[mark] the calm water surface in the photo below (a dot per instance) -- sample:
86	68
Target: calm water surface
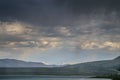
46	78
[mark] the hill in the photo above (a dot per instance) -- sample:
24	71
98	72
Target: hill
96	68
9	63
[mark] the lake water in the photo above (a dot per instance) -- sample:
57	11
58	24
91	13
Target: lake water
47	78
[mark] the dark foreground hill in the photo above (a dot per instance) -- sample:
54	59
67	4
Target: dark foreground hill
106	67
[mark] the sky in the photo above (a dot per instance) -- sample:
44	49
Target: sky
59	31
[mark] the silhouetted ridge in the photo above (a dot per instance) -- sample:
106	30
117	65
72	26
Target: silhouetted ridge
96	68
20	63
117	58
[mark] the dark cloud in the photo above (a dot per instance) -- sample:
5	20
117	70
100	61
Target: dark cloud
88	21
57	27
10	38
54	12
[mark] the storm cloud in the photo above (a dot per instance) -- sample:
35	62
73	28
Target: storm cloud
72	25
56	12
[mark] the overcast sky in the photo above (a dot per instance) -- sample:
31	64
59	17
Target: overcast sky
59	31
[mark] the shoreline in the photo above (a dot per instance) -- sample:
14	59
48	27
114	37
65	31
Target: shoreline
49	76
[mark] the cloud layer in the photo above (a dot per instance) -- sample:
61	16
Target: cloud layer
84	36
35	26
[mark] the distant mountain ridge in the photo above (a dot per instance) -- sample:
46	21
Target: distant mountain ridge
104	63
118	58
20	63
96	68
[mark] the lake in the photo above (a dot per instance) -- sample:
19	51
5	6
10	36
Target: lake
48	78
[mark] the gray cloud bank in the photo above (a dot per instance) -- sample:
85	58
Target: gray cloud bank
76	24
57	12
